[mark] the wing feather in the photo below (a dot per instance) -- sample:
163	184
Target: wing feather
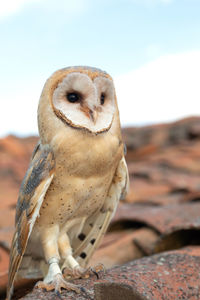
33	189
96	225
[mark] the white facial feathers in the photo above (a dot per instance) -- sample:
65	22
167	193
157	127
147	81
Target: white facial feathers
104	86
93	106
75	82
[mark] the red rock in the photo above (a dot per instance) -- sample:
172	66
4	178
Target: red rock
170	275
125	247
141	190
4	263
164	167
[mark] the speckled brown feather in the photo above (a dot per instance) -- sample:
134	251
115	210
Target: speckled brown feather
41	168
96	225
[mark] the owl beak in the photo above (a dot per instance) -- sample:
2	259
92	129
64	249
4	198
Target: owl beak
93	116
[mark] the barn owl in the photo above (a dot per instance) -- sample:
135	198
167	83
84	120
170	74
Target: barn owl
76	177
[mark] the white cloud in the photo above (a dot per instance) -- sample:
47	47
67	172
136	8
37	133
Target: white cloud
166	89
163	90
18	112
10	7
69	7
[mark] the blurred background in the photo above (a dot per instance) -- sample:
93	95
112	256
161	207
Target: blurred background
150	47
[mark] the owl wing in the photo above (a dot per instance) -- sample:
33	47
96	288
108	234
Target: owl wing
33	189
96	225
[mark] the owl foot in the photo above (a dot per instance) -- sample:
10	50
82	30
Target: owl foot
79	272
58	283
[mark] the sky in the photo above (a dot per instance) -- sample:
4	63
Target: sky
151	48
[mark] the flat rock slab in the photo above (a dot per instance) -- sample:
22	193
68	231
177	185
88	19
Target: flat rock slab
171	275
164	219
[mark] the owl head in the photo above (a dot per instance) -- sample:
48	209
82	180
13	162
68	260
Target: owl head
80	97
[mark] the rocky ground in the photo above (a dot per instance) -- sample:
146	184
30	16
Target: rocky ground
152	248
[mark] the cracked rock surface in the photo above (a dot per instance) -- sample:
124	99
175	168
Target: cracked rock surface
152	247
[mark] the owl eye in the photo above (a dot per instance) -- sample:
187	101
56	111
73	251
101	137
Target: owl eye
73	97
102	98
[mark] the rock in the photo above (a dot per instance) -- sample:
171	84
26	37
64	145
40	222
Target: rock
160	213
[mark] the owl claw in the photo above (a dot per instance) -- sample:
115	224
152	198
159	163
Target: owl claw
95	273
98	268
58	294
79	272
57	284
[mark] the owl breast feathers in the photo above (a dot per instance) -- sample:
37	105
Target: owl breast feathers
76	177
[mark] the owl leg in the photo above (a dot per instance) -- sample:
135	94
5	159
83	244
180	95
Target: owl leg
54	279
70	266
66	253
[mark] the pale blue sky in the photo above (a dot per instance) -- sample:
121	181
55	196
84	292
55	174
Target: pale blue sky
119	36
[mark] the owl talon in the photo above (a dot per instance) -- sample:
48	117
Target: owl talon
57	284
98	268
95	273
58	294
79	272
